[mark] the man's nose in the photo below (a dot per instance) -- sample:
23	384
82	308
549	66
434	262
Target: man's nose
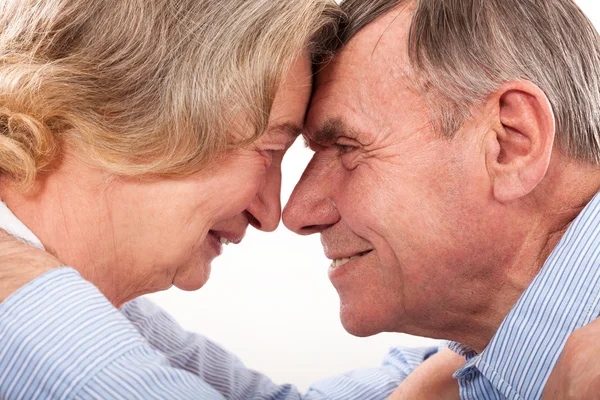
310	208
264	212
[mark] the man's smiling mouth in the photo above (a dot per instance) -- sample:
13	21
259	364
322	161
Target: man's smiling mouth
338	262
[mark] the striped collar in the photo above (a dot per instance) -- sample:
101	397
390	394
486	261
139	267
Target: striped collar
11	224
563	297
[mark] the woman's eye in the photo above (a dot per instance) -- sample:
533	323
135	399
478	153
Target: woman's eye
268	155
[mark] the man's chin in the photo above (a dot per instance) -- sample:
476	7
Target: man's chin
359	323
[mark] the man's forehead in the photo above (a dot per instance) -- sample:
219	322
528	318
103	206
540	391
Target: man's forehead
376	52
370	71
386	36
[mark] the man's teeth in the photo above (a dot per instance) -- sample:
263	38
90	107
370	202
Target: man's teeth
341	261
224	241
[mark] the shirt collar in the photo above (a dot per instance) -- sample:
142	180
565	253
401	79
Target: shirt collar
563	297
11	224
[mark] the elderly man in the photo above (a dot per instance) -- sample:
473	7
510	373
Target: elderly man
453	183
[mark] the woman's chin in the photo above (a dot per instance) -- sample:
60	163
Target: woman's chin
192	277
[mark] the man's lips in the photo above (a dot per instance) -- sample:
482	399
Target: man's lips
339	259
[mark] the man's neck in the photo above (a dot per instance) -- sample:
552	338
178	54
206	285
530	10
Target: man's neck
559	200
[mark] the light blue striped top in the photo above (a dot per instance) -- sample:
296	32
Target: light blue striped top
60	338
563	297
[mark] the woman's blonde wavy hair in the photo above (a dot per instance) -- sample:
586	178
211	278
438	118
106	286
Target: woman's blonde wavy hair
144	86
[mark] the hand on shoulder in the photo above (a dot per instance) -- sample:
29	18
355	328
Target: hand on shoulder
577	372
21	263
432	379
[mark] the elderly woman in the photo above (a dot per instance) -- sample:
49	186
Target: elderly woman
138	137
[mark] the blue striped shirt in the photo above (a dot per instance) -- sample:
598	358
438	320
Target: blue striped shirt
563	297
60	338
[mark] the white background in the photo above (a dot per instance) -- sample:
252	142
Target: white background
269	300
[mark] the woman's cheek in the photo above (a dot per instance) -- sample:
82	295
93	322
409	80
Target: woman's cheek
246	192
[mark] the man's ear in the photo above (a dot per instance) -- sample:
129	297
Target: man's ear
519	145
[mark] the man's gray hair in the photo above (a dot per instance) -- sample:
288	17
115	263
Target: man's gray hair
463	50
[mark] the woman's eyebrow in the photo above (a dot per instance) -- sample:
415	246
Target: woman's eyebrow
288	128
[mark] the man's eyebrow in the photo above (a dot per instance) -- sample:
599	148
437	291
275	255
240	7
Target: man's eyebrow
329	131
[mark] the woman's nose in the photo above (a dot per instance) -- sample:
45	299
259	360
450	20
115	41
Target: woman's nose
264	212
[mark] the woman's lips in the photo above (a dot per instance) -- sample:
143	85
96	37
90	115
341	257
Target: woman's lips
228	237
219	238
213	239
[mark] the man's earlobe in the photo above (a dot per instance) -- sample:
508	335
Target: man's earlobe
519	147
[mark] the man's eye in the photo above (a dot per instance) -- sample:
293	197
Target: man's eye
306	142
344	148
